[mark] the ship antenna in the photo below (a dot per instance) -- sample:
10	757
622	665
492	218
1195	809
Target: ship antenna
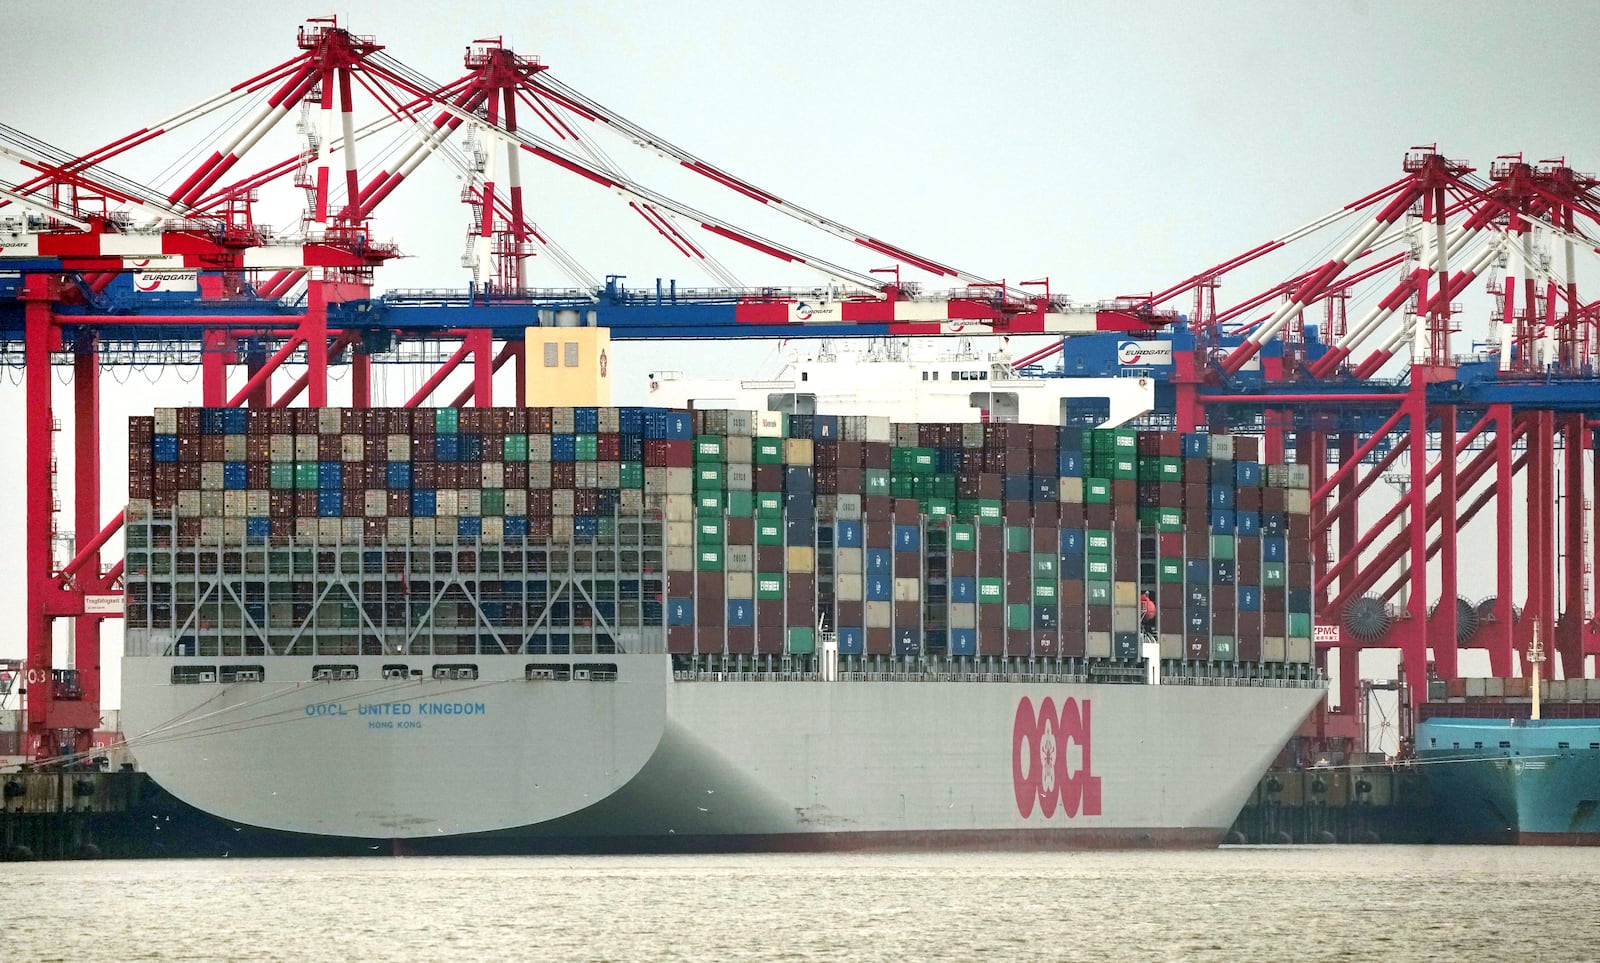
1535	660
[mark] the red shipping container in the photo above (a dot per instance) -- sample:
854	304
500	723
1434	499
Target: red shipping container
907	565
877	507
305	504
563	474
880	641
741	639
680	639
907	511
539	529
770	628
847	454
1246	448
849	614
1248	499
963	564
876	454
769	558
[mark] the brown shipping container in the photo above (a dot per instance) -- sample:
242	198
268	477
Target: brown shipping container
880	641
741	639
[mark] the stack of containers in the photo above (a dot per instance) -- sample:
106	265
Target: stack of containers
970	540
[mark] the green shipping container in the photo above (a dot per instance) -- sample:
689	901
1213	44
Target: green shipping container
1299	624
1171	470
1018	538
492	502
1222	649
939	508
1171	572
708	500
1044	592
900	486
1124	467
741	504
1169	519
281	475
708	530
1097	541
1097	568
1097	592
305	475
990	511
875	481
769	451
964	537
446	421
1097	491
707	476
1019	615
768	532
709	559
631	474
991	590
1046	567
1272	574
1222	546
802	640
769	585
708	448
585	447
515	448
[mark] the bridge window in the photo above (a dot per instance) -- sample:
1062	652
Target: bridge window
571	351
551	354
792	403
193	674
243	673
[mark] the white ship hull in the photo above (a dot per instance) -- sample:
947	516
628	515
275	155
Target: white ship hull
712	762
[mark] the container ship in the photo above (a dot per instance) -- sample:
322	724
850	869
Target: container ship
1510	766
743	625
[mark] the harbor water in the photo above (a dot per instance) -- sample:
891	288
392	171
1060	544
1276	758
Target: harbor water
1392	903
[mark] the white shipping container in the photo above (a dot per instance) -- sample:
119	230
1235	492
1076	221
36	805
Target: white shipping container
211	476
630	502
849	507
446	502
879	615
469	503
678	508
561	421
233	530
741	585
538	476
280	448
1097	645
802	559
329	529
741	423
847	560
738	449
561	529
188	504
305	447
1299	652
610	420
908	590
848	586
539	449
329	420
798	451
399	529
561	505
235	504
211	504
739	478
376	503
516	501
1297	501
352	447
166	421
492	474
398	447
680	558
234	448
1274	648
741	558
494	530
352	529
769	424
1070	491
1171	646
1222	447
305	529
963	615
879	428
258	503
680	481
139	509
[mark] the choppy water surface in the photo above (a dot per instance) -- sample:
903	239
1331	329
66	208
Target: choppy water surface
1334	903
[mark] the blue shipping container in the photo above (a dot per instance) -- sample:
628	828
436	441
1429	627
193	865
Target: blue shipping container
851	640
166	448
963	641
907	538
1249	598
1247	473
680	611
1196	446
1016	487
330	504
907	641
825	427
1044	488
235	421
1222	498
330	475
963	589
741	612
516	526
878	561
1274	548
849	534
258	529
586	420
424	502
1249	523
879	588
233	476
446	448
1071	541
1222	523
398	475
1069	464
469	527
563	448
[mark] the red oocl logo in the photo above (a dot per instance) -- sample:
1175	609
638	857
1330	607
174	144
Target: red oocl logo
1043	771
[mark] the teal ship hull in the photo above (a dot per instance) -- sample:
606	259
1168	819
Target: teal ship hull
1515	781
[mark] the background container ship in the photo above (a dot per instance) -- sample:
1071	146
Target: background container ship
638	628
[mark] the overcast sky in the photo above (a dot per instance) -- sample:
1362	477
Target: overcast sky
1114	147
